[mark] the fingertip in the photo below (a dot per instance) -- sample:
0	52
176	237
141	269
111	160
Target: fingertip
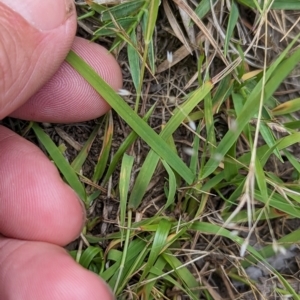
35	203
29	56
36	270
67	97
101	60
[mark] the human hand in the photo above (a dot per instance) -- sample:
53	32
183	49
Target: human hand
38	211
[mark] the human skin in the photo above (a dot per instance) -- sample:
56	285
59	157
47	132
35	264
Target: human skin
39	213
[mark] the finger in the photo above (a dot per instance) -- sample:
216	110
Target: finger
35	203
67	97
35	37
36	270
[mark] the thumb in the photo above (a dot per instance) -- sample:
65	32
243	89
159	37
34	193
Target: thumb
35	37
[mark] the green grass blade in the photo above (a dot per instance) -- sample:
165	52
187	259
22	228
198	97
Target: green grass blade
134	61
130	117
123	147
135	247
261	180
268	136
124	182
294	162
277	4
123	10
148	25
59	160
233	18
132	267
89	254
110	28
203	8
78	162
196	146
287	107
172	185
282	68
151	20
151	161
158	269
105	150
150	47
157	272
183	274
279	203
209	123
159	242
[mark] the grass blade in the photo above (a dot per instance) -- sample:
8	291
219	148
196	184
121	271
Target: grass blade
106	145
156	142
125	174
160	239
172	185
252	104
123	147
83	154
152	158
233	18
61	163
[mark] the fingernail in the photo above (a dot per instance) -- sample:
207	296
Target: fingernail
42	14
